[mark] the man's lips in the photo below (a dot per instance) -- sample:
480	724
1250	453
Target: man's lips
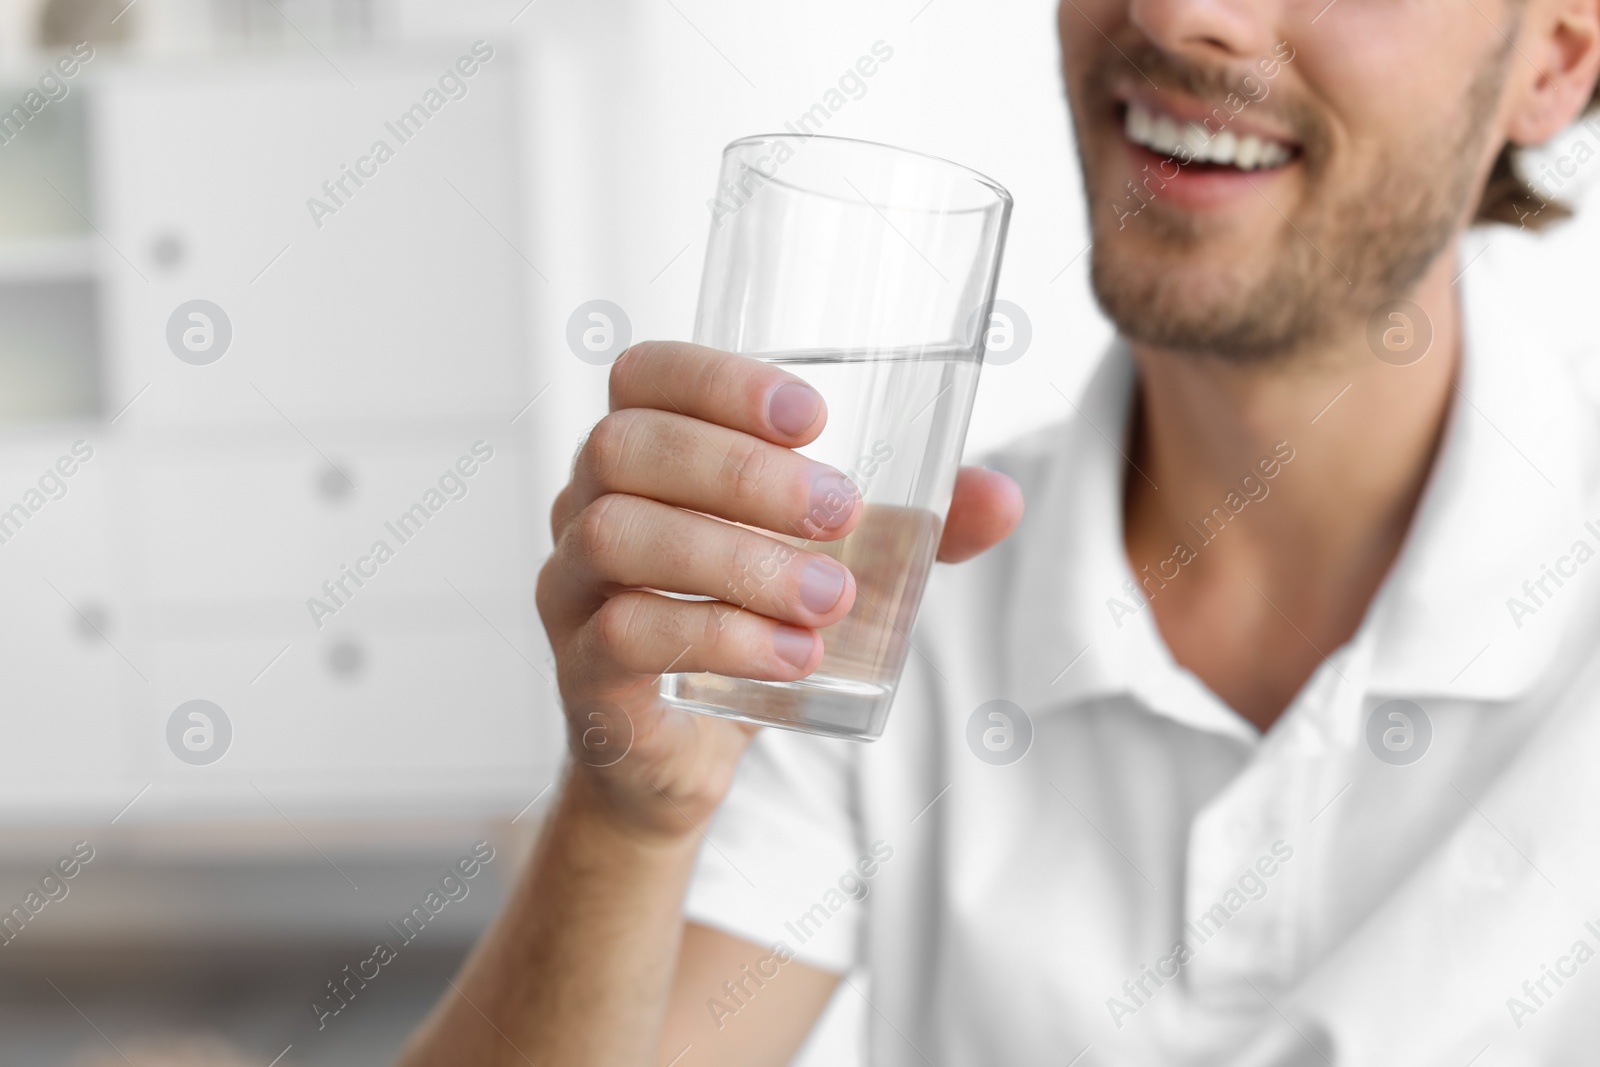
1192	132
1177	160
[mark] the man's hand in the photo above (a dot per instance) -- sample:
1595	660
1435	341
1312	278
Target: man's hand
694	437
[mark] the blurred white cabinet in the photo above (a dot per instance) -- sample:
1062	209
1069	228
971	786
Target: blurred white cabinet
68	697
370	351
404	305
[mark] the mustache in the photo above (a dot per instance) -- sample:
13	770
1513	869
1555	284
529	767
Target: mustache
1214	84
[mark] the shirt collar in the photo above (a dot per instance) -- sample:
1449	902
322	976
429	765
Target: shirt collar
1512	491
1510	486
1080	618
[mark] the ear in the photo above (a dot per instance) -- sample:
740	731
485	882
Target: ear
1559	53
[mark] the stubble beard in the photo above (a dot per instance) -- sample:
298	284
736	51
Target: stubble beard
1314	279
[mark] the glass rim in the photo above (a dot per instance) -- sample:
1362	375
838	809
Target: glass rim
976	176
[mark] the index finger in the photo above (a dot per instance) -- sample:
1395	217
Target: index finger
739	392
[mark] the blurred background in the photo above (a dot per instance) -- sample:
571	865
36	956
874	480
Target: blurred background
241	345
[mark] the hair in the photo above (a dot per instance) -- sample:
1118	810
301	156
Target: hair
1509	197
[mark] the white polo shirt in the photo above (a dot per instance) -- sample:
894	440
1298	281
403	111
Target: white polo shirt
1147	879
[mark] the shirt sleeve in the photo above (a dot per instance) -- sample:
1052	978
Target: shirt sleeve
779	862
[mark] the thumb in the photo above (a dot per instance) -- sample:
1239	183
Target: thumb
985	508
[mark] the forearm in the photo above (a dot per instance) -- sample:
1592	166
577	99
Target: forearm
579	966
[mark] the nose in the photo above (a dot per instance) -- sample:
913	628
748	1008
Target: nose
1214	30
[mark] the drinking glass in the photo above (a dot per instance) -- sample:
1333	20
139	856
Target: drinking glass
869	272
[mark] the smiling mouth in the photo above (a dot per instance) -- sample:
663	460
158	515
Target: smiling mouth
1192	144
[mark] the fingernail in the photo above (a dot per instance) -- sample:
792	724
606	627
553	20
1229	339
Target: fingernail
821	585
833	498
793	408
794	645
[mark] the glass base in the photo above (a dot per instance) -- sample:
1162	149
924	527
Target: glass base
817	704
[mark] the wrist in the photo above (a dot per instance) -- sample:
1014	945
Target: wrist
608	814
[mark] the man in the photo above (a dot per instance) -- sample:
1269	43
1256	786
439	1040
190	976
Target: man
1266	739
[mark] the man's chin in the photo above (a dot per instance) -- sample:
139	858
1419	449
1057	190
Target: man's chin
1195	300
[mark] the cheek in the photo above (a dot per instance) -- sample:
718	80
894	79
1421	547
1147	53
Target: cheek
1388	74
1079	25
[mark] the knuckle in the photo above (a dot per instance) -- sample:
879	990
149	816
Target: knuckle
602	529
754	564
713	630
606	452
558	513
628	368
555	587
747	471
724	382
544	595
615	623
718	630
562	511
740	584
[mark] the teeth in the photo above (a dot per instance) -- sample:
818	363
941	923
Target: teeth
1163	136
1196	138
1140	125
1274	154
1225	147
1249	154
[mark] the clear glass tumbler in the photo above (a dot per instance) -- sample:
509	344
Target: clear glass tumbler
868	271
